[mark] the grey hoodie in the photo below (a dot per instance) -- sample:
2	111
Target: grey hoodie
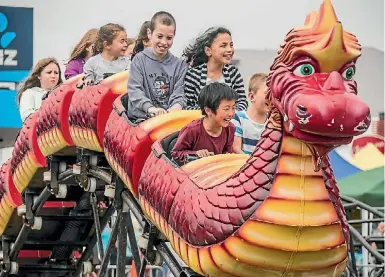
155	83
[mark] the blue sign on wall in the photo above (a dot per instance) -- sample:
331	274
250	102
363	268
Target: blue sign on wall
16	58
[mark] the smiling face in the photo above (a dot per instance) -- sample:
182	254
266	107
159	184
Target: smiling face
118	46
161	39
224	113
221	50
49	77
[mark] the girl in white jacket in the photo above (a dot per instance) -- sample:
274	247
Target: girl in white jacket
45	76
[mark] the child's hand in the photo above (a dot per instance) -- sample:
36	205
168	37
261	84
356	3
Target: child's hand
176	107
156	111
80	84
204	153
83	83
89	82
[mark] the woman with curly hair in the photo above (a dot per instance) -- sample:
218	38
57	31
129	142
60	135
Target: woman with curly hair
44	77
110	49
210	61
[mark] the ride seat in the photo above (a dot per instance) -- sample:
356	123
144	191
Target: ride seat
124	100
168	144
120	106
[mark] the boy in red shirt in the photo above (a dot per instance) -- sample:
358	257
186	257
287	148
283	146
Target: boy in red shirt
214	133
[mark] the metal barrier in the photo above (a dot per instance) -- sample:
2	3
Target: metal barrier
369	215
154	271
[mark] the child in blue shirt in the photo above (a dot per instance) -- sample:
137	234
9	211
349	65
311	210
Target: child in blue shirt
251	123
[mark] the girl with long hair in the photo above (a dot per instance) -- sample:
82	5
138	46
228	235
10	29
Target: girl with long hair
45	76
81	53
210	58
142	40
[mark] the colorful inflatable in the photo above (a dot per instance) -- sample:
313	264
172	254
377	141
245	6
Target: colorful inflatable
275	213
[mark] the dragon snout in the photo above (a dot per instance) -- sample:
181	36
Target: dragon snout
338	115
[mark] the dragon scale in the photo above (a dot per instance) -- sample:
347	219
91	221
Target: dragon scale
281	234
275	213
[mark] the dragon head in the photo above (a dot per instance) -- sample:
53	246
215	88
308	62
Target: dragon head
312	83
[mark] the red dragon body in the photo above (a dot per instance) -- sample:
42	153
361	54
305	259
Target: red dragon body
275	213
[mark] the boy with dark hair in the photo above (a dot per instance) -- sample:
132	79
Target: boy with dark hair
214	133
156	83
164	18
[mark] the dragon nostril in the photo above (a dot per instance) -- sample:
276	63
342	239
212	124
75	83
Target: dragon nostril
302	108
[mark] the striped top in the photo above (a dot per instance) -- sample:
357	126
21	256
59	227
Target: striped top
196	79
249	130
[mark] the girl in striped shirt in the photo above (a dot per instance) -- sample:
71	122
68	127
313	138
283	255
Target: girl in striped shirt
210	61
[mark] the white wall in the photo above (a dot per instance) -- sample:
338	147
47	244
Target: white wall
5	154
255	24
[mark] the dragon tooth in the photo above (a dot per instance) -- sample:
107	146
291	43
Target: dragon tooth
291	126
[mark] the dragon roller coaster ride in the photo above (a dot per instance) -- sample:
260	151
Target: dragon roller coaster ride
277	212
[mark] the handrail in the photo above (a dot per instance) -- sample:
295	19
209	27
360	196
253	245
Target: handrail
363	206
365	244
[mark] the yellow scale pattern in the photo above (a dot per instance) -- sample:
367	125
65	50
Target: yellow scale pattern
120	171
6	209
51	142
295	232
85	138
25	171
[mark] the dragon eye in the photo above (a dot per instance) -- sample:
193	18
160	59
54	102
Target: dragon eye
348	73
304	70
